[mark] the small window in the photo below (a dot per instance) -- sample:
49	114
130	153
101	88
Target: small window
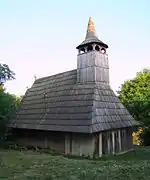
103	50
89	48
97	48
82	51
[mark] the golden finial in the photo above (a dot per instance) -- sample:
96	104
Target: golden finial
91	27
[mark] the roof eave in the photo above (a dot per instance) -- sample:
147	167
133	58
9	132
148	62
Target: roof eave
100	43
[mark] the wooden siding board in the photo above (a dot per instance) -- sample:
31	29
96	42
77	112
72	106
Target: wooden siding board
62	122
52	85
57	104
69	92
81	116
82	97
79	129
53	81
59	75
58	110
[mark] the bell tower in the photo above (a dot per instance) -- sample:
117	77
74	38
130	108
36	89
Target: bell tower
92	59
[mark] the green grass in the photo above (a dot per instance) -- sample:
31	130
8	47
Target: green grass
28	165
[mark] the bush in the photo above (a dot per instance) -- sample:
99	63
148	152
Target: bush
137	136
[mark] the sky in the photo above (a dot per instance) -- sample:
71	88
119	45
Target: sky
39	37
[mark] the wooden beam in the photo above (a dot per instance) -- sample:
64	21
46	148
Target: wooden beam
67	144
119	139
45	142
108	142
100	145
113	142
131	138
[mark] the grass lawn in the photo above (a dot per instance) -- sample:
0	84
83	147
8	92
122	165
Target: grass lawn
28	165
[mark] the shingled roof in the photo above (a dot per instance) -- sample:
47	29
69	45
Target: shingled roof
58	103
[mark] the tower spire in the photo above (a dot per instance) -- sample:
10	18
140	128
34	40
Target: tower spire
91	36
91	31
91	26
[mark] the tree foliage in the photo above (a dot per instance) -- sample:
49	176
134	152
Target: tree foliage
5	74
135	95
8	102
19	99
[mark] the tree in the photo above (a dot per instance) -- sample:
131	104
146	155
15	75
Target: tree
135	95
5	74
7	101
18	100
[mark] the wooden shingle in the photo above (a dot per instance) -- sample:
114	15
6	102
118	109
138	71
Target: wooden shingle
58	103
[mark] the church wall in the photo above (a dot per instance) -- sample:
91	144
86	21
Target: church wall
69	143
78	144
41	139
126	139
122	141
83	144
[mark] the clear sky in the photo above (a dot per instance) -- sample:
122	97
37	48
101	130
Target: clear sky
38	37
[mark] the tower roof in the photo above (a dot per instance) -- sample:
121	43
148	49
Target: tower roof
91	36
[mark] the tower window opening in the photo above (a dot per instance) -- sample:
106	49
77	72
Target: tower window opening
89	48
103	51
97	48
82	51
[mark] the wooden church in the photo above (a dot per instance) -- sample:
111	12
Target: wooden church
76	112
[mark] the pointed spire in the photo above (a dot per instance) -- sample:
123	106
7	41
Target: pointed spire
91	32
91	26
91	36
